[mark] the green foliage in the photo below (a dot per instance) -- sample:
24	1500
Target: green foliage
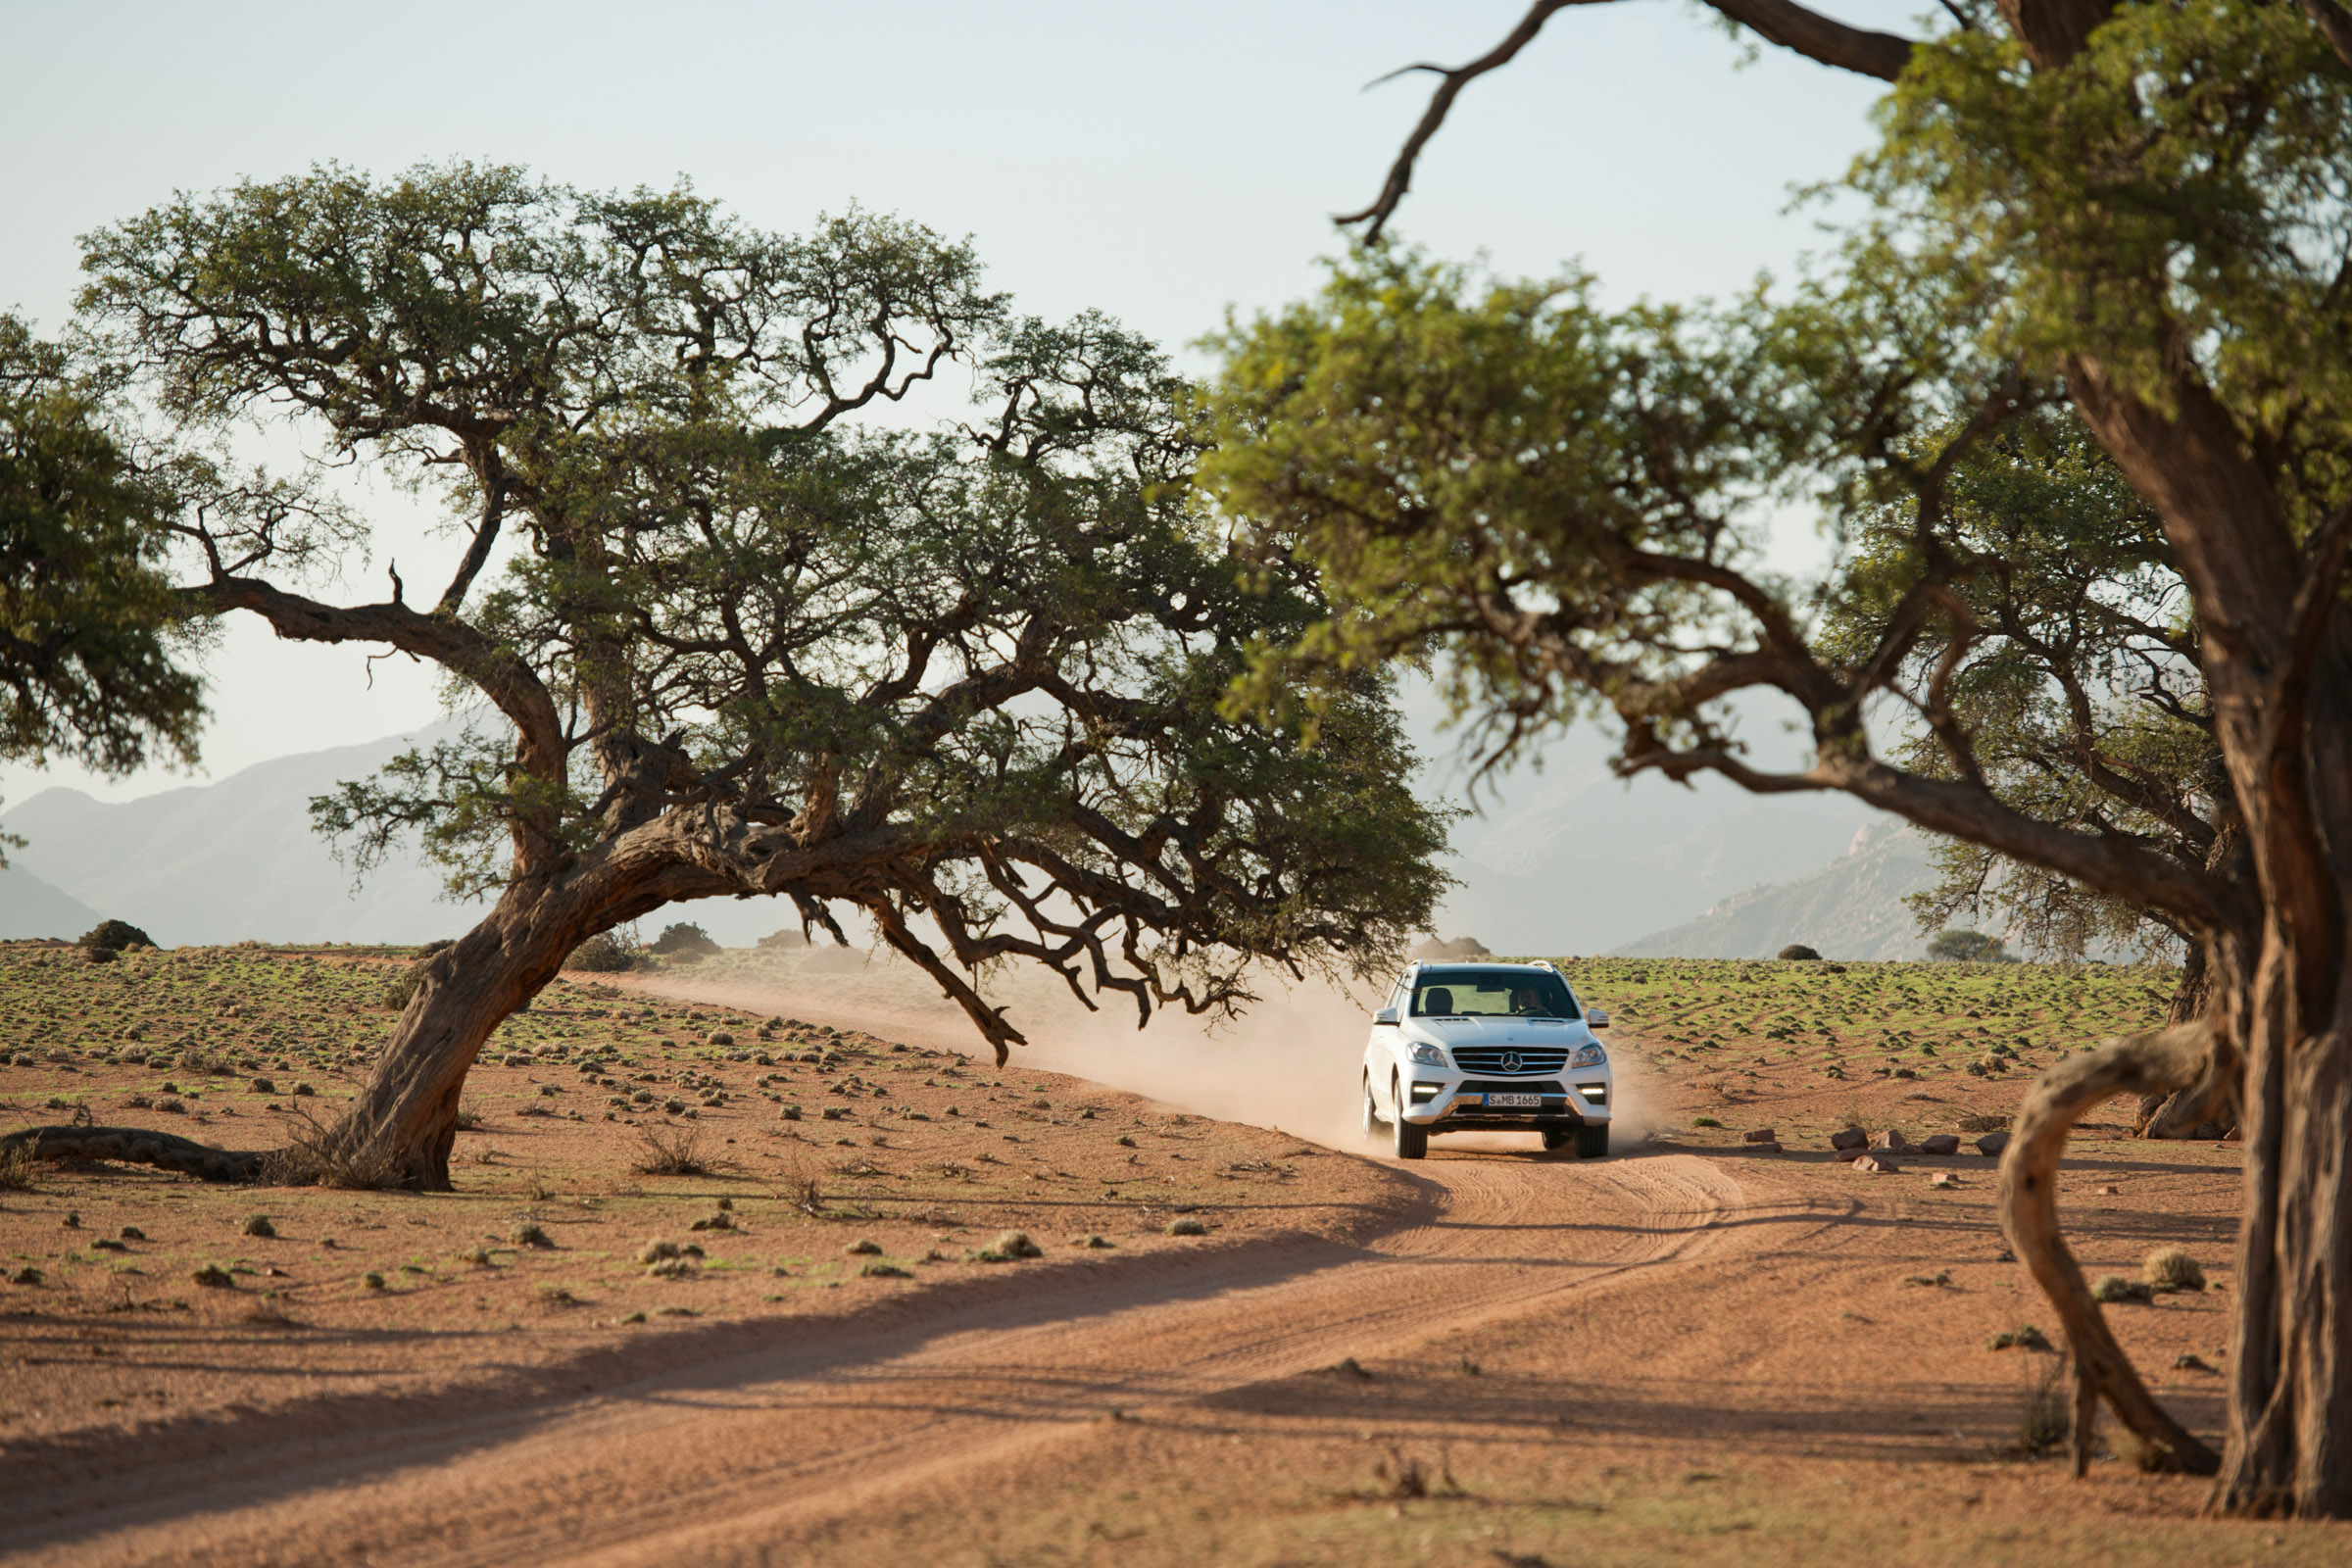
601	953
1557	505
89	631
1968	947
683	937
753	640
113	936
2176	189
1714	1018
2073	675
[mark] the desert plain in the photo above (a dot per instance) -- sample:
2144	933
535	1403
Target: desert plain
762	1260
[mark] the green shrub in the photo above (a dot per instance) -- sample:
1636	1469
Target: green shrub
2121	1288
601	955
2172	1268
685	937
113	936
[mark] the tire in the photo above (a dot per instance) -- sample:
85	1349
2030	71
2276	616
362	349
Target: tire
1592	1140
1371	1110
1557	1137
1411	1142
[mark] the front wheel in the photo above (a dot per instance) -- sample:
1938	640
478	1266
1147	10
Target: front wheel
1412	1140
1592	1140
1557	1137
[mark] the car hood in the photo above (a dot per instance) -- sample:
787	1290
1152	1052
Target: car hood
1501	1032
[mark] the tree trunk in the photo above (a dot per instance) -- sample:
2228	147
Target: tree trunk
399	1130
2290	1394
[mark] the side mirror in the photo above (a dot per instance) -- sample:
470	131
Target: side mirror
1385	1017
1596	1017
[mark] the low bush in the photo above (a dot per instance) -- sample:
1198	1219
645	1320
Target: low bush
113	936
682	937
2172	1268
2121	1288
602	955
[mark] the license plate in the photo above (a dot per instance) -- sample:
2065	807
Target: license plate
1514	1101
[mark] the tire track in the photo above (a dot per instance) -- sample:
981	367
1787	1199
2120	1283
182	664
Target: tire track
723	1463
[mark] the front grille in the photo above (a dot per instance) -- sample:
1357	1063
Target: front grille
1489	1058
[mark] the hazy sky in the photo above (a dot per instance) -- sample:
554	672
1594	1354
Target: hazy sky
1159	162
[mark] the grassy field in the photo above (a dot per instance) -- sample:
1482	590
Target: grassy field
1825	1022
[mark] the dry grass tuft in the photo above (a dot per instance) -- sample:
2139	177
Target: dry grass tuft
323	1156
1399	1477
2172	1268
2044	1419
672	1152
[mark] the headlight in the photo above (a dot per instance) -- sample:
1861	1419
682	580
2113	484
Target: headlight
1428	1056
1590	1056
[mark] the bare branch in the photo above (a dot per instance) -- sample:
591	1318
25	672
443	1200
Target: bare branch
2169	1060
502	676
1400	173
1819	39
2112	864
485	535
1808	32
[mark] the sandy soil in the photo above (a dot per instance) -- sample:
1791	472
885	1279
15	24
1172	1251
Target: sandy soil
1679	1355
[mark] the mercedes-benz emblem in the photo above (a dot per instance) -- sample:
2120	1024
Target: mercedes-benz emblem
1510	1061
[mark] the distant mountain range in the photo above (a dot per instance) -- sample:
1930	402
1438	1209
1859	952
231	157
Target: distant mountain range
31	907
1573	860
234	859
222	861
1851	909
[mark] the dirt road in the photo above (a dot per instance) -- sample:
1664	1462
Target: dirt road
732	1458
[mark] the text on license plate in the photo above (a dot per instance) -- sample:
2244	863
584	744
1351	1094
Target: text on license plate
1514	1101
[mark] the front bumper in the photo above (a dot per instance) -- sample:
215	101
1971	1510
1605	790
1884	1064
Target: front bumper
1582	1098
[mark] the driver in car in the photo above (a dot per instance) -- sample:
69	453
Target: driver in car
1527	1002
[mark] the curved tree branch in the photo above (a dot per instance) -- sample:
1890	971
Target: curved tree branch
1400	173
2160	1062
1880	55
502	676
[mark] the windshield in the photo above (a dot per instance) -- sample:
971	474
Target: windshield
1496	993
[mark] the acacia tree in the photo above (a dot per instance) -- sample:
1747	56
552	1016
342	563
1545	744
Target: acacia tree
2137	211
751	642
2078	685
90	638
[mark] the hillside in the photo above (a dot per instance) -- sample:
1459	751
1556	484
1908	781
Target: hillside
222	861
31	907
1575	859
1851	909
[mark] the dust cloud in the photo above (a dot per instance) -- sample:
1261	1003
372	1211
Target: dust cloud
1293	1061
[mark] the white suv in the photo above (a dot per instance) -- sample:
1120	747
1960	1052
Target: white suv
1486	1047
